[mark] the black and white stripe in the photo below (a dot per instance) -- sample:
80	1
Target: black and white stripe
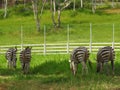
11	57
79	55
25	58
105	55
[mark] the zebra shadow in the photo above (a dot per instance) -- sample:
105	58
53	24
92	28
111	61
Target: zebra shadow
51	67
62	67
9	72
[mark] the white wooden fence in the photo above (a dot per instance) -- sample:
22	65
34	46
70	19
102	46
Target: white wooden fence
59	48
62	48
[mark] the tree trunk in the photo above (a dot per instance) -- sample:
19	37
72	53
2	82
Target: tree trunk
5	8
59	14
74	5
112	3
36	17
81	2
33	5
52	14
54	5
43	4
93	6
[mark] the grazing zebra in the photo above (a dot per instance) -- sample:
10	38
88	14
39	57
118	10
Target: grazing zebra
105	55
11	57
79	55
25	58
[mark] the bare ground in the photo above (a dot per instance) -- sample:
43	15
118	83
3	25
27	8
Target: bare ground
113	11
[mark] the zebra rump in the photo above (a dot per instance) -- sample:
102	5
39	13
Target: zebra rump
11	57
105	55
79	55
25	58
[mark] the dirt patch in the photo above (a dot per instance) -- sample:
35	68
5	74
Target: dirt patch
113	11
3	87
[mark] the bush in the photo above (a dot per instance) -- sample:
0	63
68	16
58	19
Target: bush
21	10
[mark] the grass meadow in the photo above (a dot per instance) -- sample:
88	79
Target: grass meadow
79	22
52	72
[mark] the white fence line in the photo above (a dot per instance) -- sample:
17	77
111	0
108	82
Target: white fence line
59	48
63	48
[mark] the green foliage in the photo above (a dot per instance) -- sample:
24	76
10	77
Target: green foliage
1	14
21	10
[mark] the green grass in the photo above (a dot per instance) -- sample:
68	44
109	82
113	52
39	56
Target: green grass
53	72
79	22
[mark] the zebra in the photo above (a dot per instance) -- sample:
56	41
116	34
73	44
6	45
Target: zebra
11	57
25	58
105	55
79	55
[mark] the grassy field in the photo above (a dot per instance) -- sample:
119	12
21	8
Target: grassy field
52	72
79	22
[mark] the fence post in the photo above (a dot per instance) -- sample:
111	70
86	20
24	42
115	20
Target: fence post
44	40
68	28
113	36
90	38
21	37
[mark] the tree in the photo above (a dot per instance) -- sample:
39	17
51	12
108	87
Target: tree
93	6
35	10
60	6
5	8
81	3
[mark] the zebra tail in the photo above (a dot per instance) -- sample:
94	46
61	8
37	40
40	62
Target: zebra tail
90	64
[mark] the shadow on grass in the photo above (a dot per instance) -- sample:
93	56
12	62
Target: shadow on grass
59	72
9	72
51	67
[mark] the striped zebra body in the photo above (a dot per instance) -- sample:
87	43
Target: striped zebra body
25	58
11	57
79	55
105	55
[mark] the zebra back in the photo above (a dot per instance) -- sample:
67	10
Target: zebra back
80	54
105	54
11	54
25	55
11	57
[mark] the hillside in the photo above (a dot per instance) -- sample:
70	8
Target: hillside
79	22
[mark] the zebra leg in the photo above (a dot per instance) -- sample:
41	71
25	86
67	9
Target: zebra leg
8	63
112	64
101	67
107	68
27	67
22	64
23	67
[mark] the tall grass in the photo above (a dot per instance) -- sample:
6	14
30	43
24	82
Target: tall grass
53	72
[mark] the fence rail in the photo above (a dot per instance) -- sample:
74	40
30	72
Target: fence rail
59	48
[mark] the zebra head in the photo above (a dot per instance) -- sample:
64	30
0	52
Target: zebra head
73	65
28	48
